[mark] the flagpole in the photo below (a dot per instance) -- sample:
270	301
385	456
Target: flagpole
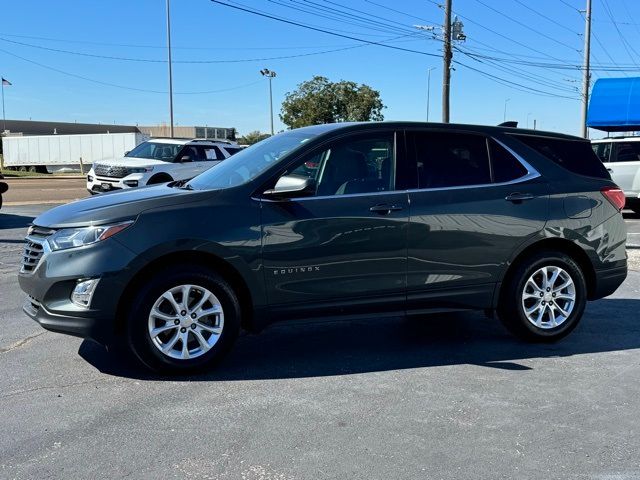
4	119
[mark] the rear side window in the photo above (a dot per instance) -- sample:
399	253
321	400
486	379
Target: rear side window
627	152
574	155
602	151
450	159
232	150
506	167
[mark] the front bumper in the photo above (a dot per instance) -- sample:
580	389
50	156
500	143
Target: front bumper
99	184
98	329
50	284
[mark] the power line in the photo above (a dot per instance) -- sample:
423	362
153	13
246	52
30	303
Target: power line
148	60
627	46
402	13
327	13
540	14
510	39
527	26
514	85
291	22
123	87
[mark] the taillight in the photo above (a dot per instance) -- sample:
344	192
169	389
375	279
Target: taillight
615	196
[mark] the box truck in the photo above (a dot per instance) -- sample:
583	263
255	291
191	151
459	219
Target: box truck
52	153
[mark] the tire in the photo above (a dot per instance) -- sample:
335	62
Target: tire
140	321
22	169
32	169
160	178
519	294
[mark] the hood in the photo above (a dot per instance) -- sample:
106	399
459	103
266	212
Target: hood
117	206
131	162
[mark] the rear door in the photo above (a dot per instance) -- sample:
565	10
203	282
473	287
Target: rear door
475	201
343	245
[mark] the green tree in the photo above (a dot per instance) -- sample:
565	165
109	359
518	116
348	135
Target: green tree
252	137
321	101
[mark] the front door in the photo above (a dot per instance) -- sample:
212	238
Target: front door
347	238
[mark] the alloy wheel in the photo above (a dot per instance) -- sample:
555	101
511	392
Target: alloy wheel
549	297
185	322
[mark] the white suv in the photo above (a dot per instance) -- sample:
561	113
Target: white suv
158	160
621	156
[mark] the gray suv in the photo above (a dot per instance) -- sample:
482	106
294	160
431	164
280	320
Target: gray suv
335	220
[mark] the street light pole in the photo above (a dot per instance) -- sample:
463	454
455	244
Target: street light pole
528	115
170	72
505	109
429	90
270	74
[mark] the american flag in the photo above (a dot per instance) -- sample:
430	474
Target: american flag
5	81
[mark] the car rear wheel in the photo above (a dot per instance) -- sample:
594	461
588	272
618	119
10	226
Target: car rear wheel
184	320
545	297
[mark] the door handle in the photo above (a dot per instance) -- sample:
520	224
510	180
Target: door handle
385	209
610	170
519	197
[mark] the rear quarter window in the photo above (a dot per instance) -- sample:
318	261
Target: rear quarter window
576	156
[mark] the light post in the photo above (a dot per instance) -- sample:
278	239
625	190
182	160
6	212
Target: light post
170	72
429	89
528	115
4	82
505	109
270	74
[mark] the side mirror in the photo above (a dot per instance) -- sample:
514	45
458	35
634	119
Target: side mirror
126	153
185	159
290	186
3	187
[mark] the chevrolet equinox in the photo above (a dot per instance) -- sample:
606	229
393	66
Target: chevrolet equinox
329	220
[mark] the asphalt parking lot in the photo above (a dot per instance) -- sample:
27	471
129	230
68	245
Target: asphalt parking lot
436	397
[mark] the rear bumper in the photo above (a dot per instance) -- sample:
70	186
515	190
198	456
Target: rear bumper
608	281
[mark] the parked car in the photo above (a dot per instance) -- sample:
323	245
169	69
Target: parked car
3	188
159	160
621	157
397	217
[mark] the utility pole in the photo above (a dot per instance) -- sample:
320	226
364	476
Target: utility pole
170	72
586	72
446	57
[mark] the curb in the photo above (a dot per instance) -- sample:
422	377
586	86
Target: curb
49	177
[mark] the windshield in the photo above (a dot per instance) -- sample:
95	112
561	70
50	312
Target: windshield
247	164
156	151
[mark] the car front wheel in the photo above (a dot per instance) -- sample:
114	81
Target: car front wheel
545	297
184	320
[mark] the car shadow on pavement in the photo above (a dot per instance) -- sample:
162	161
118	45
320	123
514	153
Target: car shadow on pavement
316	349
14	221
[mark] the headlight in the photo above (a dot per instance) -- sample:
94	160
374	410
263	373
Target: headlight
78	237
139	169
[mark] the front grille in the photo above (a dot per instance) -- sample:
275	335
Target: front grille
31	306
112	171
34	248
33	252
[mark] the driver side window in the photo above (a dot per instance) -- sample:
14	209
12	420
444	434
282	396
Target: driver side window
362	164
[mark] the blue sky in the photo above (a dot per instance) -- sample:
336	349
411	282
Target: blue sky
549	31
